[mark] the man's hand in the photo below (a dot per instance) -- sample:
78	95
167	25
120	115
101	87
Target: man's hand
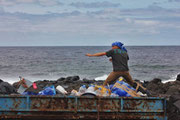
88	54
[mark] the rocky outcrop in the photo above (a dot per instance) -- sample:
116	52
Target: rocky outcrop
6	88
178	77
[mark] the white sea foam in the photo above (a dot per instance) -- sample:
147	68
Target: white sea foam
173	78
101	77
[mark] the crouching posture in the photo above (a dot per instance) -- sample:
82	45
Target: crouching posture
119	58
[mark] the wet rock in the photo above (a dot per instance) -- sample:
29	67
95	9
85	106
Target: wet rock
61	79
173	107
155	88
178	77
174	98
72	78
156	80
177	104
88	81
173	90
1	80
6	88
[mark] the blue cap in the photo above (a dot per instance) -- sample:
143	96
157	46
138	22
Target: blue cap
120	45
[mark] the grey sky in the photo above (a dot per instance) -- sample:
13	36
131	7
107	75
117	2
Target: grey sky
95	22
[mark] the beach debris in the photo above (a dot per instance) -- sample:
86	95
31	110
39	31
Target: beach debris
23	84
82	89
60	89
102	91
48	91
124	89
34	85
74	93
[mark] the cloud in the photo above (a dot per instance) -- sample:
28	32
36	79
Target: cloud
108	22
40	2
49	2
173	0
104	4
1	10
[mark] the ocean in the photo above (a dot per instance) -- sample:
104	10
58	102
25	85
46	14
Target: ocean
51	63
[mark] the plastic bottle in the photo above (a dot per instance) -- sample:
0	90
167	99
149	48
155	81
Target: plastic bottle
82	89
90	88
61	89
99	92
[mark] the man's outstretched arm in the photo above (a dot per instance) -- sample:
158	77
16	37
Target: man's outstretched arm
96	54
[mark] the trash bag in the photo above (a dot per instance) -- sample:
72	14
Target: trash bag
123	89
29	93
119	91
48	91
102	91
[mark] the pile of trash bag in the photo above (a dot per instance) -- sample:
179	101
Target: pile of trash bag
119	89
25	84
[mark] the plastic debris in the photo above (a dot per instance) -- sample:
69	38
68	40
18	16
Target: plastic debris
98	92
48	91
34	85
29	93
90	88
61	89
90	91
119	89
82	89
103	91
114	95
24	84
74	93
123	89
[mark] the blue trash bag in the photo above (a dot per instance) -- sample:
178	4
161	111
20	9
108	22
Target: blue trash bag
120	91
48	91
29	93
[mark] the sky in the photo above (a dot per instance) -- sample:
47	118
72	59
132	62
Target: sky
89	22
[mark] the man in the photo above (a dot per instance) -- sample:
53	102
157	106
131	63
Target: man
119	58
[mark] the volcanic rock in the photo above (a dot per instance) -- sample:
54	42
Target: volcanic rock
6	88
178	77
156	80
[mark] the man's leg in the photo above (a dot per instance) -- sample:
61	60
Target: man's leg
128	78
136	85
112	77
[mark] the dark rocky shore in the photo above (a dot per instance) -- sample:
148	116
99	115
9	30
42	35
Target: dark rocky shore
169	90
